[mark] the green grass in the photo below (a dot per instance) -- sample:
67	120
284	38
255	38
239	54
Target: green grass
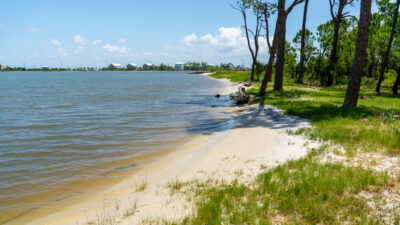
344	126
301	192
306	191
233	76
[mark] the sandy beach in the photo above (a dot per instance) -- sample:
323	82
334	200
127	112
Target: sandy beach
259	140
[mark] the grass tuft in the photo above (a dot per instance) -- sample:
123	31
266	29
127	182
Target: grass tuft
141	184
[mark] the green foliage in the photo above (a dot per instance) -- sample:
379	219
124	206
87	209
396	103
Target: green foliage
260	69
309	48
290	60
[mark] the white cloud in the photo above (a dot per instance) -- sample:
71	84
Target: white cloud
96	42
33	29
190	39
122	40
55	42
209	38
79	39
116	49
229	44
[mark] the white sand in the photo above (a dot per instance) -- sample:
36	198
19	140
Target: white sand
258	139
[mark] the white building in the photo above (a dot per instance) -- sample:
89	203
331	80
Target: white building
179	66
115	66
147	66
131	66
2	67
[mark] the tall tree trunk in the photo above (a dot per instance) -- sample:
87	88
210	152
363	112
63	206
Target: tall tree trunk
280	45
395	88
303	44
371	67
333	56
386	58
253	66
268	71
353	89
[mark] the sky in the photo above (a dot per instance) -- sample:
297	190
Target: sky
95	33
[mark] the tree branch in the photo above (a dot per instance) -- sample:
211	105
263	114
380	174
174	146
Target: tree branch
296	2
332	4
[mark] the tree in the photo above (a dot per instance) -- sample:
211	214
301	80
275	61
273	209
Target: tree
260	67
242	6
304	40
281	40
386	57
394	63
395	88
353	89
303	43
337	20
290	60
268	10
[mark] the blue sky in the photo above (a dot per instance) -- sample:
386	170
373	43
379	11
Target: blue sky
95	33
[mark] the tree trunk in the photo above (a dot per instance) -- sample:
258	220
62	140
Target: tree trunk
303	43
353	89
395	88
333	57
268	71
280	45
386	58
371	67
253	66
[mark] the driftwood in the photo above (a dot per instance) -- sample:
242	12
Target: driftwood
247	83
241	97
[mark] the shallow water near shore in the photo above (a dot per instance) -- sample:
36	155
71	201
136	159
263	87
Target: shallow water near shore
63	134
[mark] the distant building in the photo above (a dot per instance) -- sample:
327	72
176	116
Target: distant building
2	67
147	66
179	66
45	67
131	66
115	66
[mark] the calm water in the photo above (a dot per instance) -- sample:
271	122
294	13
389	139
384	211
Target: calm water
58	130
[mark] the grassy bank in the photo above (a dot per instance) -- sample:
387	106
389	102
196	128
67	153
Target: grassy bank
298	192
371	126
308	191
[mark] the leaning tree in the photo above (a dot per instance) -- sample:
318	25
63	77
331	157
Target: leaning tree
268	10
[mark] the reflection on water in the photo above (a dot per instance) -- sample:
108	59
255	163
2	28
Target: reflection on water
58	130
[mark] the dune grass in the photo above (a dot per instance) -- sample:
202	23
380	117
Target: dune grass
298	192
